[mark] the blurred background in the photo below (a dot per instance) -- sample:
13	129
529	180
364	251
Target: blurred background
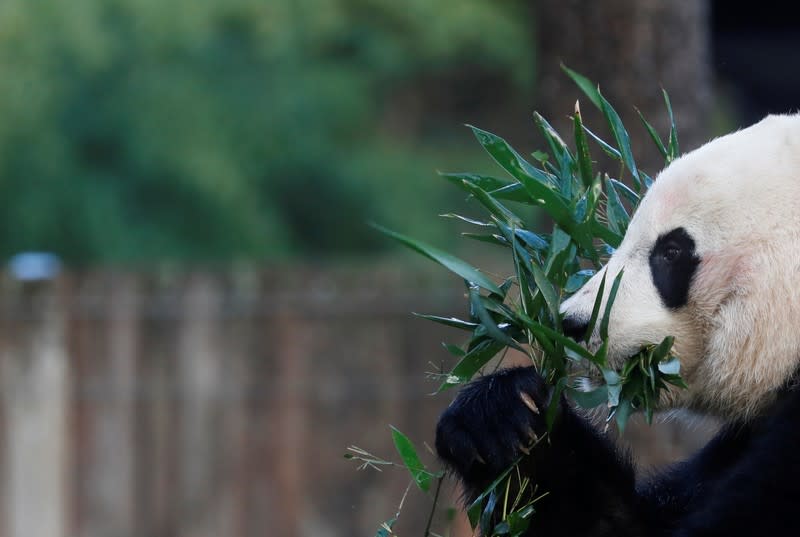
196	320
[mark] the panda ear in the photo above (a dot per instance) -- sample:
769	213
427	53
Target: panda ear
718	275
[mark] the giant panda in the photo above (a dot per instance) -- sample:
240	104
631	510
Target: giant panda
712	257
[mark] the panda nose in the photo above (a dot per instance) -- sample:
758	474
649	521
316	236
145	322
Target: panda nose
574	327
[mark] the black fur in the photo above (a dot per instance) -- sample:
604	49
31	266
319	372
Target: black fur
744	482
575	327
673	262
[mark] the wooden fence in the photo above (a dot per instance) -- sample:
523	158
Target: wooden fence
216	404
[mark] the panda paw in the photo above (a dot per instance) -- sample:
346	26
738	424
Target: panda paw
492	422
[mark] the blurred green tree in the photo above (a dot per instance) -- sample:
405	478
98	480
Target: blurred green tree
133	130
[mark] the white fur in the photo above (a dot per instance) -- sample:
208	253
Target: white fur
738	338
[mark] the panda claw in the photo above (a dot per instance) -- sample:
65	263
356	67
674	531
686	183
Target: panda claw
529	402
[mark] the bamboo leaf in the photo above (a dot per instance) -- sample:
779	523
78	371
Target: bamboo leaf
562	252
536	182
616	214
673	149
607	235
561	153
485	182
521	261
474	509
492	329
455	350
498	188
385	530
471	363
486	516
607	148
487	238
598	300
622	139
654	136
547	290
671	366
467	220
508	158
612	295
582	149
578	280
592	399
410	458
448	261
622	413
662	351
448	321
632	197
513	192
587	87
551	335
613	387
497	209
533	240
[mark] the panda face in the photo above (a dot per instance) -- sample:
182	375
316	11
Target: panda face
712	257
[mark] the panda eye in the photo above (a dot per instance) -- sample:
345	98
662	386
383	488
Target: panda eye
673	262
671	254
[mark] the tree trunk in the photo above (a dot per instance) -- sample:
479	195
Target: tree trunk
631	48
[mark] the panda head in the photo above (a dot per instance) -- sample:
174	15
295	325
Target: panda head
712	257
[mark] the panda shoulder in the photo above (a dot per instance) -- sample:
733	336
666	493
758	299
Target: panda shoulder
787	123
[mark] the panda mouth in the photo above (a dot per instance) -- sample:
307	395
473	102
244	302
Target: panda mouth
614	359
591	377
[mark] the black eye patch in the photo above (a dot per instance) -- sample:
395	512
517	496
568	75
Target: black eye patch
673	262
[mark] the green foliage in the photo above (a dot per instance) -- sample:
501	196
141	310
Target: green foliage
408	453
214	129
589	220
420	475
